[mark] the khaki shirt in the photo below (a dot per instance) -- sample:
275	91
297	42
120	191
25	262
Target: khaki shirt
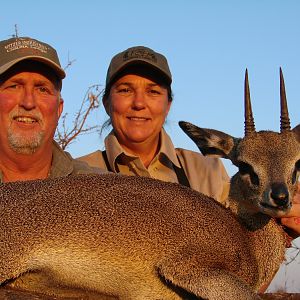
63	164
205	174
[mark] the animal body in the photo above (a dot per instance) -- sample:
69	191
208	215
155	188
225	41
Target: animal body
140	238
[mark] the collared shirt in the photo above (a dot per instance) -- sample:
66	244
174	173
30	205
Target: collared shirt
63	164
205	174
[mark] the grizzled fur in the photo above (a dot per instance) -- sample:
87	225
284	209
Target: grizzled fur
113	234
140	238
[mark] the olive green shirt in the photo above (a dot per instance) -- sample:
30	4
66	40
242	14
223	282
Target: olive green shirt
205	174
63	164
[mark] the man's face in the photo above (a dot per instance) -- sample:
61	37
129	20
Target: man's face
30	107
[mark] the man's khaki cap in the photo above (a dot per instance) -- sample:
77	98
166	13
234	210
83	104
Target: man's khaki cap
18	49
138	55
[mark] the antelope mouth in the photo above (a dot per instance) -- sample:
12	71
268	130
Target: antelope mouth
275	210
285	206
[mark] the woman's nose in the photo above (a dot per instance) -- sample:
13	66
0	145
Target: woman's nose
139	100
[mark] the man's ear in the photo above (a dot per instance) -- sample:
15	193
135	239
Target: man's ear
60	107
209	141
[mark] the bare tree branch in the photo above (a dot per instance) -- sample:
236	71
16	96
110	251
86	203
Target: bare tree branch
65	136
16	31
70	62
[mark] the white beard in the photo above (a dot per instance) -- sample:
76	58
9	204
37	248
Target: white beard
25	144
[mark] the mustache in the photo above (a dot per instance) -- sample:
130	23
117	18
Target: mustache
20	112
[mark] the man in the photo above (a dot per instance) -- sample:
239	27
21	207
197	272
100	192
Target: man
30	107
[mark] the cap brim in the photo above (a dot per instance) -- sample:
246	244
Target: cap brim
134	62
56	68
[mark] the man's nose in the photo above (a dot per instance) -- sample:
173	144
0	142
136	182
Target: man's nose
28	99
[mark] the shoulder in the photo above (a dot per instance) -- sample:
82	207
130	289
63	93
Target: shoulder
196	159
206	174
63	164
82	167
94	159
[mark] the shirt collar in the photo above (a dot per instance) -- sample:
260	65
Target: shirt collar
61	162
167	148
115	149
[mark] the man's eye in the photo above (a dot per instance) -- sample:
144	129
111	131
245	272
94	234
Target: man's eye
44	90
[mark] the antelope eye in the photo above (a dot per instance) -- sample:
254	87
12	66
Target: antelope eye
246	169
295	172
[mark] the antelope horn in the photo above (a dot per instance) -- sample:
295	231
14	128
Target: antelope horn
249	121
284	113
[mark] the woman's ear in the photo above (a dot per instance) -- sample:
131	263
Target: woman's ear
106	104
169	106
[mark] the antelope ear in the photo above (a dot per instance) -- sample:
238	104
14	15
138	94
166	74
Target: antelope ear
209	141
296	131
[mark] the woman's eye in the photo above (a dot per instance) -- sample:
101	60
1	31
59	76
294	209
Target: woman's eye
11	86
154	92
123	90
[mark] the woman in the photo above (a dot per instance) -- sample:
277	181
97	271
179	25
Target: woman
137	99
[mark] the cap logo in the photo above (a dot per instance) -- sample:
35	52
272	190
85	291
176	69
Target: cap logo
25	44
139	54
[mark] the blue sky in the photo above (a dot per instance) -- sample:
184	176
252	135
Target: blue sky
209	44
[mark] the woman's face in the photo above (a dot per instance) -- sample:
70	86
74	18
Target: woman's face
138	108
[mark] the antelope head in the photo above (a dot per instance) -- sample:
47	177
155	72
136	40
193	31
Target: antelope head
268	162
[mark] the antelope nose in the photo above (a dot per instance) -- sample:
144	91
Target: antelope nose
280	194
